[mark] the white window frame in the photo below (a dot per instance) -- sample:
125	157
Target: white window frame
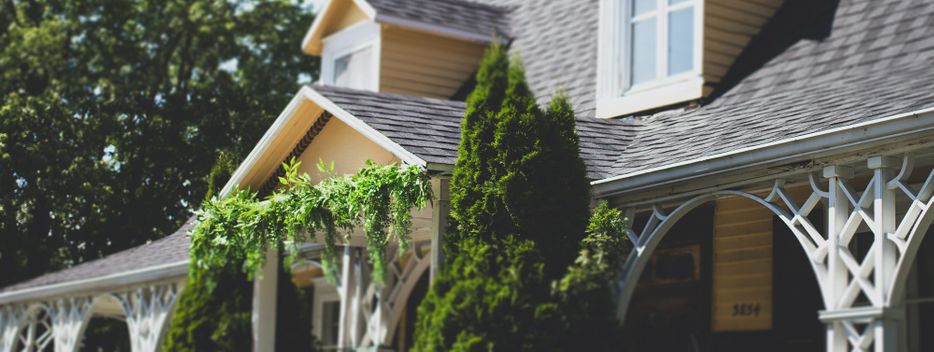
360	36
615	96
324	292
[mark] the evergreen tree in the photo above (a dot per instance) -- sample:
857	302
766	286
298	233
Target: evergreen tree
519	197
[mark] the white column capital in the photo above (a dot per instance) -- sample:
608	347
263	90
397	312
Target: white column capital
838	171
883	162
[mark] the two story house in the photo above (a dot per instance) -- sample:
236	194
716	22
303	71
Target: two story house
775	158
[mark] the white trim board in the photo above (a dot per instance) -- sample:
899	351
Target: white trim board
153	273
361	127
834	140
308	94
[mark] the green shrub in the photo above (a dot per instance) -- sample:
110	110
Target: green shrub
213	317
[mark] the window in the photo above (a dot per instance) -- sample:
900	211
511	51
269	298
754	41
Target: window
661	39
352	70
649	54
350	57
326	313
330	323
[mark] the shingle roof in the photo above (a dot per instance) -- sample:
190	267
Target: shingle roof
479	19
873	60
430	128
170	249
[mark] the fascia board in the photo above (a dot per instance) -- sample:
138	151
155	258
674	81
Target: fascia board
833	140
155	273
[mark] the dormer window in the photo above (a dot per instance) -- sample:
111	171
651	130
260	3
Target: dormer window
661	40
353	69
351	57
649	55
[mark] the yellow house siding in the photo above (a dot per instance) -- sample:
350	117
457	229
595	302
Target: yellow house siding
422	64
345	147
742	266
728	27
307	113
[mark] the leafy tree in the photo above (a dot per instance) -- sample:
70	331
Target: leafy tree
112	113
520	198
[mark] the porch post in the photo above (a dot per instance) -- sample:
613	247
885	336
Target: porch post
837	213
69	318
886	330
264	303
439	222
11	318
347	289
147	310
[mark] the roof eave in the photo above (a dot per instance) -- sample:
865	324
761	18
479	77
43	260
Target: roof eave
309	94
175	270
311	43
435	29
824	143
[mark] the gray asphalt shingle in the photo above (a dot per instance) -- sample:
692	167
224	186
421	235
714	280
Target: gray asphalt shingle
430	128
474	18
170	249
874	61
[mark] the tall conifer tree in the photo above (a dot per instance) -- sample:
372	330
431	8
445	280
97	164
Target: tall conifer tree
519	209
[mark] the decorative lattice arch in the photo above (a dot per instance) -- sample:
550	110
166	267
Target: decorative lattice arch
370	313
842	277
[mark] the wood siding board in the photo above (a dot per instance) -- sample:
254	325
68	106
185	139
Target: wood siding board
729	25
422	64
742	266
749	18
721	45
751	7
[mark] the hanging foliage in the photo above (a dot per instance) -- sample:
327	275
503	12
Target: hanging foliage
377	199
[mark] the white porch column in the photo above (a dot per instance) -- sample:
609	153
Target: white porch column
439	222
69	319
11	318
886	329
838	211
147	310
264	303
853	326
350	289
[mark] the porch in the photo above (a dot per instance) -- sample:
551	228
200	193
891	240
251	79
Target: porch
828	253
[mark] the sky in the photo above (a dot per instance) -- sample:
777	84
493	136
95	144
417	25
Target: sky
315	3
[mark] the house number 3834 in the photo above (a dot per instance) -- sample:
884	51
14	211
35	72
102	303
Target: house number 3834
746	309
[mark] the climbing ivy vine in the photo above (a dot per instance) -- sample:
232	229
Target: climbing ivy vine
377	199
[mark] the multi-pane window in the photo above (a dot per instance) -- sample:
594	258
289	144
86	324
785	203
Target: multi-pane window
354	69
660	40
330	324
350	57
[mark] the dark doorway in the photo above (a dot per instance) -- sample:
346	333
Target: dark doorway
797	296
670	310
105	334
920	298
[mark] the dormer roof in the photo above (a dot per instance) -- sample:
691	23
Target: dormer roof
480	21
454	18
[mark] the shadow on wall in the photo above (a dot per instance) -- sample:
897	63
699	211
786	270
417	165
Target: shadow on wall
794	21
